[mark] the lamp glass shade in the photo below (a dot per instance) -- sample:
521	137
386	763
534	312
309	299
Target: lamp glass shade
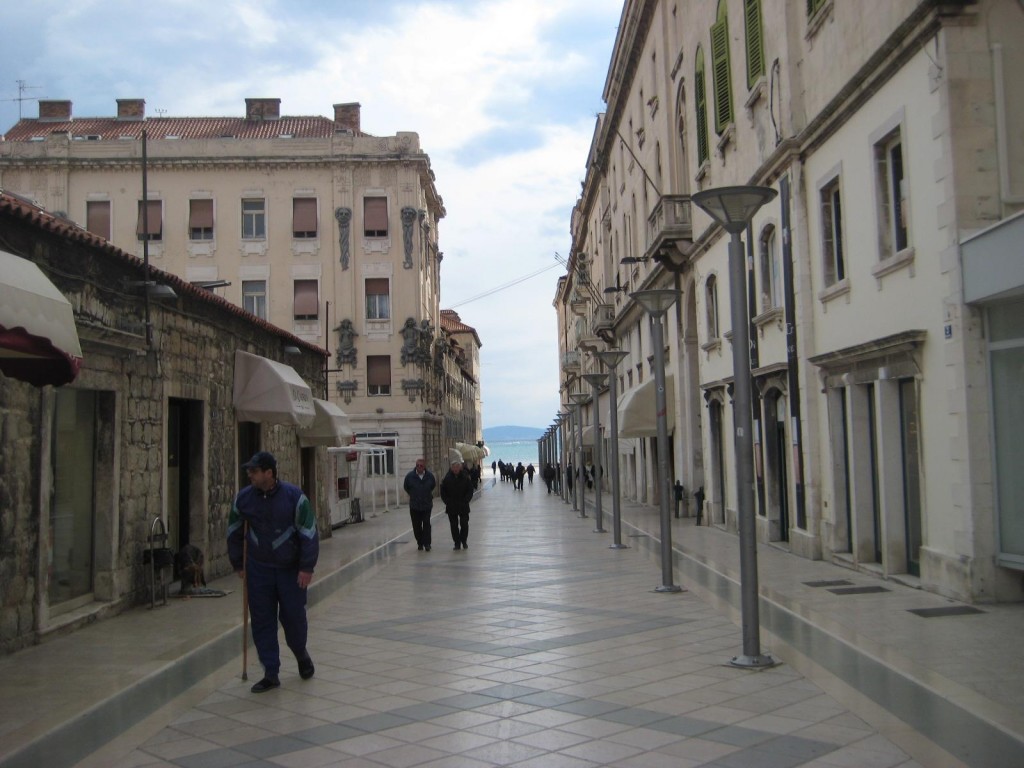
611	357
596	379
656	300
579	397
732	207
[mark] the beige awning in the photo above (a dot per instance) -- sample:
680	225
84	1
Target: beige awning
588	435
38	339
270	392
636	409
330	426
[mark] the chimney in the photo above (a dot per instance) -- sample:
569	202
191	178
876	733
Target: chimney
262	109
54	110
346	117
131	109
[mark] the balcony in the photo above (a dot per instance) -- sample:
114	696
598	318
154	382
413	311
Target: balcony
604	320
571	361
670	232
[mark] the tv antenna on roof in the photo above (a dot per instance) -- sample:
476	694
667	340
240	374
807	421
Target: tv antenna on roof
160	112
22	87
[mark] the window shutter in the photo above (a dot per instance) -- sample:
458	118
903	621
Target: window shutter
306	299
377	286
702	110
375	216
153	220
755	42
720	75
97	218
200	214
378	370
304	216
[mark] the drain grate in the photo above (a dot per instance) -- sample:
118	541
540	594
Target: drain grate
834	583
953	610
858	590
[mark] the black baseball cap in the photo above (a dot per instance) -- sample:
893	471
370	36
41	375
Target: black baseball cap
261	460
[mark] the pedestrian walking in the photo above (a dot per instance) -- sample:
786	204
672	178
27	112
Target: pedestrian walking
548	475
456	493
273	545
494	467
530	469
517	479
420	484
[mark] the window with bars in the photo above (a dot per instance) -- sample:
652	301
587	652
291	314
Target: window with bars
307	300
304	223
254	219
375	217
721	82
254	297
755	41
97	217
200	219
711	300
700	101
378	375
832	233
893	230
151	221
378	300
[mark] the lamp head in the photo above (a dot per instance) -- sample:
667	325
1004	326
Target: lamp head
732	207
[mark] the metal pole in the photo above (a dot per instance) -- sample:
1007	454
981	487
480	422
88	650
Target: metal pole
657	339
598	513
752	656
578	481
613	448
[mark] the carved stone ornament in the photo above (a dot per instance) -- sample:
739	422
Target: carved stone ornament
426	342
347	389
344	217
346	344
408	217
410	341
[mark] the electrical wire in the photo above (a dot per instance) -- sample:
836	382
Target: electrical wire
502	287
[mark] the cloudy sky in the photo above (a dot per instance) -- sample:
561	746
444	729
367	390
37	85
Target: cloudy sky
503	94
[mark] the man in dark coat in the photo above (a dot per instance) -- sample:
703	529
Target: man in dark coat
548	475
420	484
456	493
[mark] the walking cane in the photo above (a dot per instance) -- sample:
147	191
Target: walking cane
245	602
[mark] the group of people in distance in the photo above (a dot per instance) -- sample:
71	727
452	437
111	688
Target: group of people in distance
514	474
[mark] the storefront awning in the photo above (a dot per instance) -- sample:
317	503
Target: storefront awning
636	409
330	426
38	339
588	435
270	392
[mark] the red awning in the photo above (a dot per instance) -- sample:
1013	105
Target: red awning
38	339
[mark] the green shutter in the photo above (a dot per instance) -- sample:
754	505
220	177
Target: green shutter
700	95
755	42
721	86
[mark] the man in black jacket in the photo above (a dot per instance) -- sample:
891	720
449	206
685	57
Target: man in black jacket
420	484
456	493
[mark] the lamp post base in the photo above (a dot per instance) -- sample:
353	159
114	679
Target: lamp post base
617	546
668	588
753	662
600	530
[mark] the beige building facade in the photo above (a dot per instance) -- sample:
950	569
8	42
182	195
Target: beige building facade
307	222
884	279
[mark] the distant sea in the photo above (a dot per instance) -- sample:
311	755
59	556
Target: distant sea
512	451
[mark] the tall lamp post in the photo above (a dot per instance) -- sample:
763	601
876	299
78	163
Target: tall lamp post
611	358
656	303
579	398
564	423
597	380
734	208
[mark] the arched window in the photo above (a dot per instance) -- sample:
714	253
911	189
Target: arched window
701	105
722	83
711	293
755	41
771	270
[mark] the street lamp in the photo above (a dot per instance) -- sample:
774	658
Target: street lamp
597	380
579	398
611	358
656	303
734	208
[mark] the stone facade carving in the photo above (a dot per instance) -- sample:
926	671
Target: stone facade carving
346	344
408	217
344	217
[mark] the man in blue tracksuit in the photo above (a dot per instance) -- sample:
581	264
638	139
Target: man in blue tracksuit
274	523
420	484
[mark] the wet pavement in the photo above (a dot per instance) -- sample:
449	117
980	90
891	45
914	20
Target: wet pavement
538	646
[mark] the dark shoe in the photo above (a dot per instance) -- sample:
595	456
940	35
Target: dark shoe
465	545
427	548
266	684
420	547
306	668
458	546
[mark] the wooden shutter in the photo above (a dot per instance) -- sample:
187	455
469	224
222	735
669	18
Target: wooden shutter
720	74
306	299
700	97
377	286
97	217
755	41
304	216
378	370
153	219
375	216
200	214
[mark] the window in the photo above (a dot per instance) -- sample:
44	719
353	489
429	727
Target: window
813	6
254	219
701	105
254	297
771	271
721	81
832	233
893	236
307	300
378	302
97	217
755	41
378	374
200	219
304	218
375	216
151	224
711	296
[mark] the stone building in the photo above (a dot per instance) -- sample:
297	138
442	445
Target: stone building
883	280
466	348
147	439
305	221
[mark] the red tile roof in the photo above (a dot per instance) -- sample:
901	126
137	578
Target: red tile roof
451	322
